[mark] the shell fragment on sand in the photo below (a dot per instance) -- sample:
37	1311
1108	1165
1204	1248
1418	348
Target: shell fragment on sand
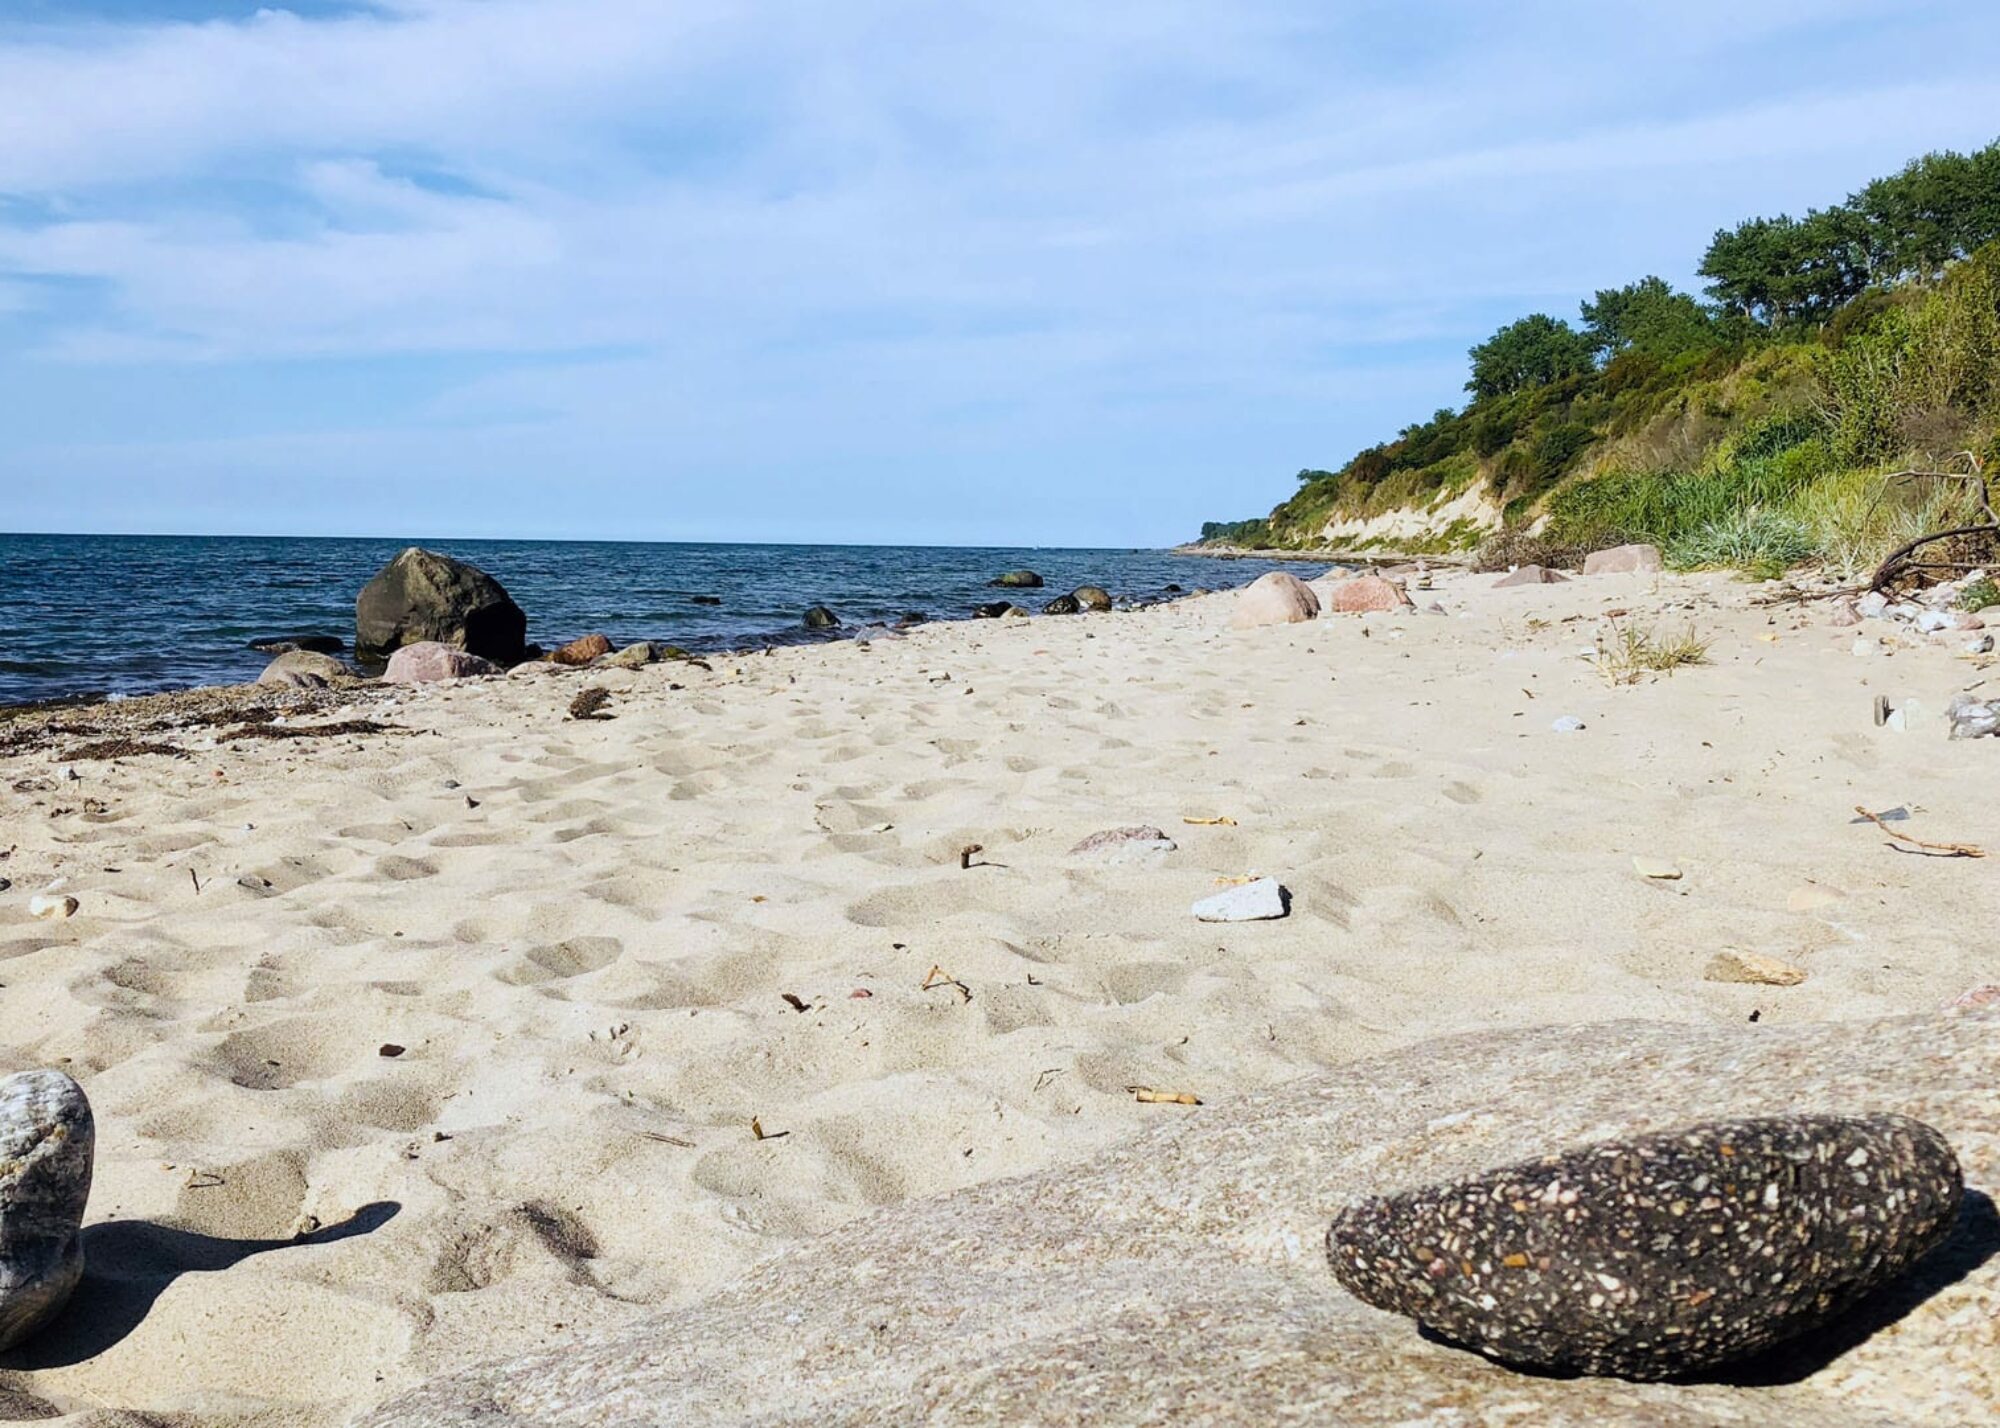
1731	965
1657	868
1124	845
1260	901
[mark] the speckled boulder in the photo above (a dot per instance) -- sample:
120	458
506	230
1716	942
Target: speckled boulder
47	1139
1661	1255
1092	597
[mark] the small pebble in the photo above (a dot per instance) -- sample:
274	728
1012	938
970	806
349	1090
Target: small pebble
1568	724
1731	965
53	907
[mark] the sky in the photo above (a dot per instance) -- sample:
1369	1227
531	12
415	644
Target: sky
991	272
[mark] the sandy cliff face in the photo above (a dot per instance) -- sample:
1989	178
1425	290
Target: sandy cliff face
1471	510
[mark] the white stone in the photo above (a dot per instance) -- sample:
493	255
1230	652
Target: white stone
1260	901
53	907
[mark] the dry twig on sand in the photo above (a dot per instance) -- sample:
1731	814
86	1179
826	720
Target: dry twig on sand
1147	1096
938	977
1953	850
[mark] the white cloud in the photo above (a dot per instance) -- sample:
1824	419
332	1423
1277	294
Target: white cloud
912	228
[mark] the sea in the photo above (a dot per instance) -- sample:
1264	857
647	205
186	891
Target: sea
106	616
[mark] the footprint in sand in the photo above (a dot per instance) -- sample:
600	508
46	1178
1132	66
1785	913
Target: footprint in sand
557	961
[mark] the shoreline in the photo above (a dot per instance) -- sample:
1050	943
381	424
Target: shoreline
612	1010
1332	555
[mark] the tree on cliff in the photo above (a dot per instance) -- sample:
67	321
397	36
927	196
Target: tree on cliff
1532	352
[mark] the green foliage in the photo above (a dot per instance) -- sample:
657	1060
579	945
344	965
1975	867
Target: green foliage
1921	370
1940	208
1980	594
1252	534
1840	346
1784	271
1760	542
1648	318
1505	549
1532	352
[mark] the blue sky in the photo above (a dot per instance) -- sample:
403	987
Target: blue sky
988	272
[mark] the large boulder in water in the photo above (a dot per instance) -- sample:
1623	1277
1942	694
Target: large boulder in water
1017	580
1093	597
1178	1277
423	596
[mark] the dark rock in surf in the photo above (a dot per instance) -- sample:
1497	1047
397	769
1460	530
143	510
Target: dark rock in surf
422	597
286	644
1062	605
47	1141
1092	597
821	618
1661	1255
998	610
706	599
1018	580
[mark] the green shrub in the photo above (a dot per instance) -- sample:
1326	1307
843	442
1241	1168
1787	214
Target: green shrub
1979	595
1758	542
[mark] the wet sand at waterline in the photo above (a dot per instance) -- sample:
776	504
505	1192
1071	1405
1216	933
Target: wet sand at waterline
417	1048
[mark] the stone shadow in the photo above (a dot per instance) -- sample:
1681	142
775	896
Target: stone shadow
128	1264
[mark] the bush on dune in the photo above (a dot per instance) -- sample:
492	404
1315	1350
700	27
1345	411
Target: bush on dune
1760	428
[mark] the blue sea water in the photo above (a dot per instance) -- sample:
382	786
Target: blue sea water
91	615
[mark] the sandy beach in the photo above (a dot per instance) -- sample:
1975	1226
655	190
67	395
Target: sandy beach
417	1048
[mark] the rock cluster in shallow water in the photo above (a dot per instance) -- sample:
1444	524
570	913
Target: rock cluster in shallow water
1663	1255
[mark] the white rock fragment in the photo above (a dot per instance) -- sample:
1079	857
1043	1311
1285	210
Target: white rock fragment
1261	901
53	907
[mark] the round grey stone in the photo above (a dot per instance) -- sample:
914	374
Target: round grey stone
47	1140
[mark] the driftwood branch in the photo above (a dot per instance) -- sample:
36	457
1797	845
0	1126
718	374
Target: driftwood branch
1898	559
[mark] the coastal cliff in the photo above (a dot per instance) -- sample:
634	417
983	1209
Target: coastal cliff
1768	425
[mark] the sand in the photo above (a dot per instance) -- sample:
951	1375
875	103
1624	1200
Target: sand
591	941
